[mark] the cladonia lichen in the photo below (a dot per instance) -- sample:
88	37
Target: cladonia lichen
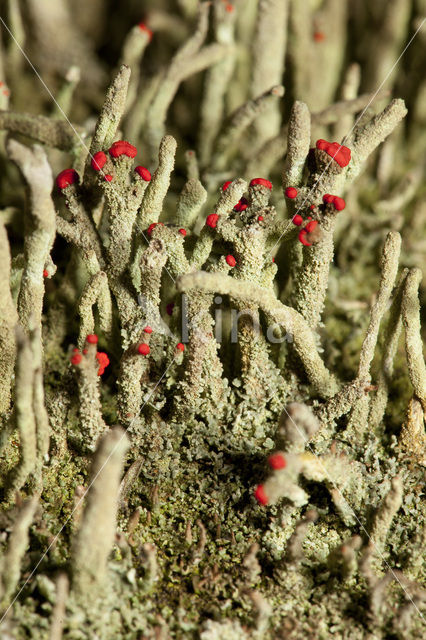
212	376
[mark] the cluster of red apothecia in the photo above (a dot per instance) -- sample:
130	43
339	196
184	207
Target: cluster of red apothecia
342	155
92	339
101	357
337	152
67	177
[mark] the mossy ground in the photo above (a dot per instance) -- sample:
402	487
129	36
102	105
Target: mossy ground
206	483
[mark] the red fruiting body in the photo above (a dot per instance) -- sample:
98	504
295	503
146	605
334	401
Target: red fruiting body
312	207
148	329
169	308
211	220
103	361
182	232
108	177
144	349
231	260
226	185
262	181
180	346
273	259
75	350
260	219
84	351
76	359
122	147
304	232
45	273
92	338
229	8
151	227
340	153
277	461
98	160
297	220
66	178
260	495
291	192
241	205
143	173
339	203
319	36
302	238
310	226
142	26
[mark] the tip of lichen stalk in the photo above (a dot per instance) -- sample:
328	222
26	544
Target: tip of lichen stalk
260	218
231	260
103	361
297	220
277	461
182	232
291	193
152	226
226	185
340	153
144	173
143	349
66	178
262	181
92	338
45	273
142	26
122	147
108	177
148	329
4	91
260	495
98	160
180	346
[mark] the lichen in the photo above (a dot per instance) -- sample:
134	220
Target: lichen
212	378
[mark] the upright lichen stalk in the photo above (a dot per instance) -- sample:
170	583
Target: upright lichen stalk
208	416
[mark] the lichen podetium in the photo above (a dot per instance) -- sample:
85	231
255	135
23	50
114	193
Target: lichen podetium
212	379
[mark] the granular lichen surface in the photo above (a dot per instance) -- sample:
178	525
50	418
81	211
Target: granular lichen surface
212	374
